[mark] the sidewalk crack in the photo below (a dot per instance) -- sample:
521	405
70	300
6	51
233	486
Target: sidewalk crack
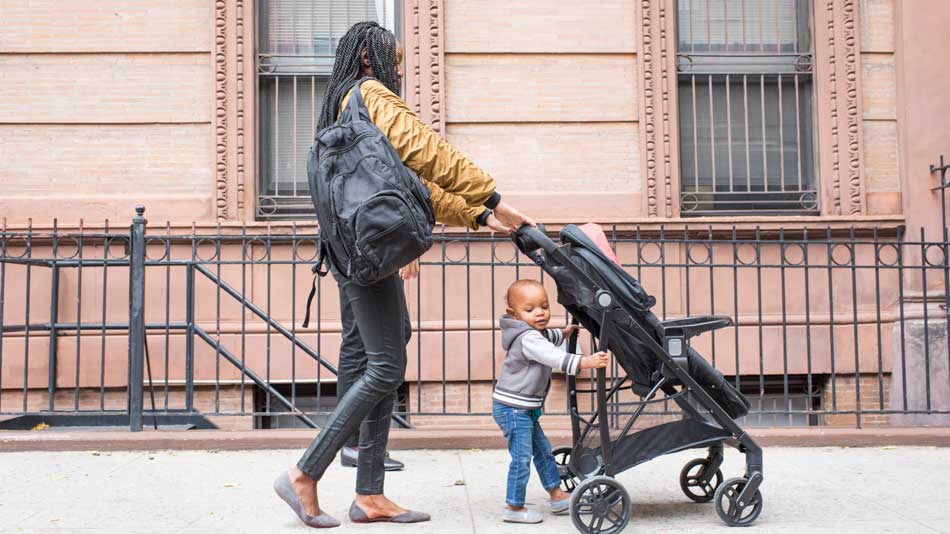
468	498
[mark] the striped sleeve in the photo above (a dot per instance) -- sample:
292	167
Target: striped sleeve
537	347
555	336
572	364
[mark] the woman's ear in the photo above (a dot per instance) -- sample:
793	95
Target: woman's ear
364	58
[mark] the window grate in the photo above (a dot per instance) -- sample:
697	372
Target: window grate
780	401
296	42
317	401
744	71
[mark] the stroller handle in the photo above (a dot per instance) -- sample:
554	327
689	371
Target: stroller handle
529	239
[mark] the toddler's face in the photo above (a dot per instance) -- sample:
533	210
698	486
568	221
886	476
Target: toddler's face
530	304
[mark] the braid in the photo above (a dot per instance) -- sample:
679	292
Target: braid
381	44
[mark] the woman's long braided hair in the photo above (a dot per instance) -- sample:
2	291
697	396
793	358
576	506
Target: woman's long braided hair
381	44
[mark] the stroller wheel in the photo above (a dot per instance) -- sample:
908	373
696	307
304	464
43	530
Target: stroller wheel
562	455
600	505
693	487
730	510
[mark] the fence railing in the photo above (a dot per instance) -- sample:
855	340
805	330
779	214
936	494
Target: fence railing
142	325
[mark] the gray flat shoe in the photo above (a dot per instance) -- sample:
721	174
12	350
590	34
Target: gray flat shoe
285	490
357	515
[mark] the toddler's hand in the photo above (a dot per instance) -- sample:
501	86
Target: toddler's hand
597	360
570	329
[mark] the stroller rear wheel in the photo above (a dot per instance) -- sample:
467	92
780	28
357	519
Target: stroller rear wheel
693	486
562	455
600	505
733	512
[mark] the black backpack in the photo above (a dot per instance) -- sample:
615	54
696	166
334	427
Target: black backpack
375	214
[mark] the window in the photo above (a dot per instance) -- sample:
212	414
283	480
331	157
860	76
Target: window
778	401
317	402
744	70
296	41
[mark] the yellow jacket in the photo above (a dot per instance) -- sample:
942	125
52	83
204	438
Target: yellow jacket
458	187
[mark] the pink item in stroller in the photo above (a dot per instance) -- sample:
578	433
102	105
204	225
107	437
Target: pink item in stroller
596	234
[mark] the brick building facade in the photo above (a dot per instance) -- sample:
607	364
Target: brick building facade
604	111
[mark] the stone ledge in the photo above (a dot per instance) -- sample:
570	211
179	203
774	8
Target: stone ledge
441	438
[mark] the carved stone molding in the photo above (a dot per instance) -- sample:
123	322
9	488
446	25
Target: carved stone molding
658	106
666	36
240	103
425	60
855	126
221	108
838	88
233	107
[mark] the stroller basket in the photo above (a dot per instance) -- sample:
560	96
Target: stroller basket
655	357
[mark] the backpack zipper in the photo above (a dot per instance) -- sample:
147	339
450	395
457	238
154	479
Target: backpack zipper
350	146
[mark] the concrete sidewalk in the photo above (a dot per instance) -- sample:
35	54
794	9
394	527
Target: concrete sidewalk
866	490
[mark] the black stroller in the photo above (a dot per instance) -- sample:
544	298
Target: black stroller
654	356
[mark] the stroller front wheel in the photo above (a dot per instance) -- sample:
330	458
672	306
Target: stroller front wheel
600	505
733	512
692	484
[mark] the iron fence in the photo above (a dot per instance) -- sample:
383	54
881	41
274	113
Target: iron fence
833	326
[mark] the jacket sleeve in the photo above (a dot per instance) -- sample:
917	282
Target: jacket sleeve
424	151
452	209
535	346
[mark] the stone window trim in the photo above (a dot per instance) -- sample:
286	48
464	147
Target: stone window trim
838	117
235	107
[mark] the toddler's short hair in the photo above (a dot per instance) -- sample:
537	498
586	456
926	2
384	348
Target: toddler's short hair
518	286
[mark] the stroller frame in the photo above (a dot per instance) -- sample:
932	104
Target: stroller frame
738	501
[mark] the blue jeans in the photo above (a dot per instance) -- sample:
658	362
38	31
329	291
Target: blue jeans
526	439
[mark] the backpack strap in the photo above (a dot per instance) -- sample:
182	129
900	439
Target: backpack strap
313	291
322	261
355	105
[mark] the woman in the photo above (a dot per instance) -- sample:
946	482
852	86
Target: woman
462	195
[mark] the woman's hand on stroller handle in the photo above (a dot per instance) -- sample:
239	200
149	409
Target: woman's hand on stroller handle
498	226
511	217
597	360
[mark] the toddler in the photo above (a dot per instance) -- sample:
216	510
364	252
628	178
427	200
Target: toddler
532	354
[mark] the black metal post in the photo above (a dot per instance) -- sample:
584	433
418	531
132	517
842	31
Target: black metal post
53	319
136	319
190	337
942	169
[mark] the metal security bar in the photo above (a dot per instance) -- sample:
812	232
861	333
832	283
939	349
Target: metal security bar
745	107
296	43
143	326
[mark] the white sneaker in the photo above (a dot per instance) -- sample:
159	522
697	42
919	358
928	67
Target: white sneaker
521	516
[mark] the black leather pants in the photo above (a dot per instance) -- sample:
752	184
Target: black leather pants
380	314
353	353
